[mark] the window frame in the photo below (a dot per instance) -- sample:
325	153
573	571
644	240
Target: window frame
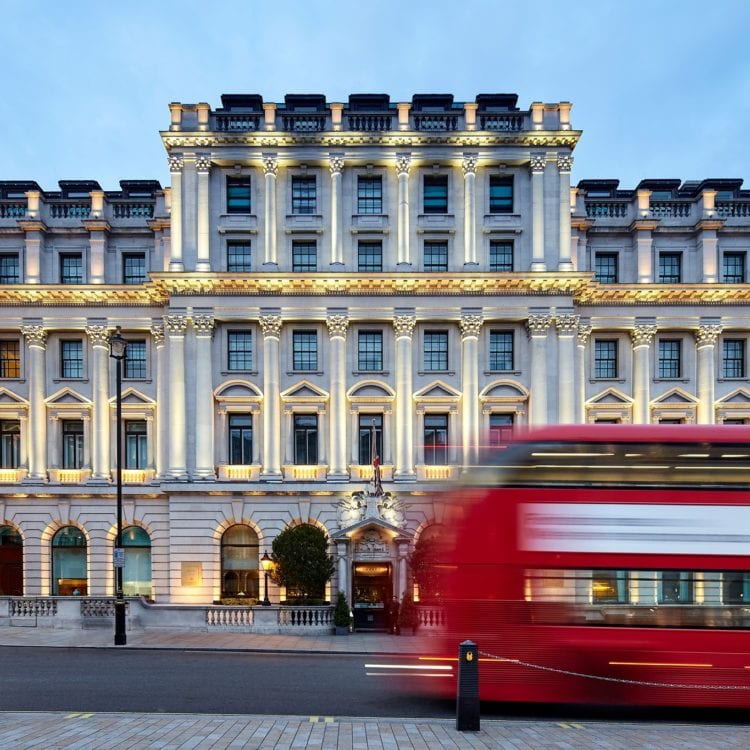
376	199
302	200
64	343
310	335
434	450
242	430
72	443
364	440
494	354
139	439
4	279
493	265
735	255
131	279
500	205
662	361
430	204
606	368
129	362
14	361
72	281
233	245
741	360
675	259
232	335
238	204
299	246
311	433
364	244
432	336
614	276
433	244
375	335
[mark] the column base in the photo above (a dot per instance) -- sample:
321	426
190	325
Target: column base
337	476
270	266
203	476
203	266
565	265
404	266
473	266
176	266
175	477
271	476
539	267
405	476
35	479
102	480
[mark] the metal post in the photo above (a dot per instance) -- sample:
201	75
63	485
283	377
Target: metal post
120	637
467	694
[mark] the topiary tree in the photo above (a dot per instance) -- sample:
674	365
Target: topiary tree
341	614
302	563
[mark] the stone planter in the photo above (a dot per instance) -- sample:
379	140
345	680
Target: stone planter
341	630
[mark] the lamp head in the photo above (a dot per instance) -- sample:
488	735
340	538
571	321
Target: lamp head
117	345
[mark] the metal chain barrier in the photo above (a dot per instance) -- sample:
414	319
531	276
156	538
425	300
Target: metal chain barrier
620	680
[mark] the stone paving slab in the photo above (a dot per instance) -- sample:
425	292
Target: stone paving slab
95	731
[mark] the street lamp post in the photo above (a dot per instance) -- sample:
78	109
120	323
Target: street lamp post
266	563
117	347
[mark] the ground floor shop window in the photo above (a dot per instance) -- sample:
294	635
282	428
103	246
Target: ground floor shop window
239	562
69	576
11	562
136	575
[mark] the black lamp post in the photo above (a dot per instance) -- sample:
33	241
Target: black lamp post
266	563
117	347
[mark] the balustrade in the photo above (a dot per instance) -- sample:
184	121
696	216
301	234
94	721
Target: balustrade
731	209
304	122
12	209
305	617
369	123
229	617
236	122
132	210
26	607
70	210
607	209
431	617
99	608
670	209
504	123
436	122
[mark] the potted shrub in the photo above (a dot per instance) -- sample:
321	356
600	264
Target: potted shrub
407	615
341	615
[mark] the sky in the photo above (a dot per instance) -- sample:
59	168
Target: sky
659	88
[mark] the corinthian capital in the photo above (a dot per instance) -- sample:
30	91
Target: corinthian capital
403	163
537	162
203	162
403	325
567	324
157	334
643	335
98	335
471	325
538	324
270	326
337	325
584	331
176	162
270	164
35	335
336	164
175	325
707	334
564	162
469	163
203	324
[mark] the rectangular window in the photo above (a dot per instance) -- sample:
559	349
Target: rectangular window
435	257
435	194
370	424
303	195
10	359
71	359
501	350
733	268
10	443
734	358
239	197
370	351
238	257
501	429
369	195
136	444
605	358
239	350
605	268
501	256
71	268
72	438
501	195
670	268
9	269
370	257
436	439
675	587
135	360
436	350
304	256
305	439
609	586
305	351
133	268
670	351
240	439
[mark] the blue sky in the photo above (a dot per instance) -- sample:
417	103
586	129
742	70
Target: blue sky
659	88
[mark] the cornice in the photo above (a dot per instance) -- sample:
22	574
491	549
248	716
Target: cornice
531	139
89	295
650	294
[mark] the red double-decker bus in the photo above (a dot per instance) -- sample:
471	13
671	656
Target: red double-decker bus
607	564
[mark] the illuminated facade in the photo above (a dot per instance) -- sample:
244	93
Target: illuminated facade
318	274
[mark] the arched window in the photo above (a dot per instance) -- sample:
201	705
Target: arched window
11	562
136	575
239	562
69	563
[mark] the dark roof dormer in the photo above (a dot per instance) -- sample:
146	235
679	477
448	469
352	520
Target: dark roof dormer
17	189
77	188
497	102
432	102
305	102
599	188
140	188
665	188
369	102
241	103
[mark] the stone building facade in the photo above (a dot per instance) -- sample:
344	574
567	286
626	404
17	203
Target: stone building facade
317	276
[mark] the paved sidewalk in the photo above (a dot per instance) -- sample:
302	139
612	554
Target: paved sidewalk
79	731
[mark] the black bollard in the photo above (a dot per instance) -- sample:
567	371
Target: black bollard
467	695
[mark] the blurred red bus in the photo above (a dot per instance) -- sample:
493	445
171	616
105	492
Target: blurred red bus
607	564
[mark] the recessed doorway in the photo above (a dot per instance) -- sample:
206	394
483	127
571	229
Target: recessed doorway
372	591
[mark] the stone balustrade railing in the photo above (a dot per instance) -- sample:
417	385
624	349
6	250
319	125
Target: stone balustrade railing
430	617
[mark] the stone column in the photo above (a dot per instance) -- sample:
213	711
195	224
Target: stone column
537	326
471	326
584	331
642	336
564	165
270	324
341	546
203	325
270	167
403	162
567	327
54	446
708	249
403	327
36	339
203	167
337	467
162	398
336	164
176	263
706	337
403	553
469	165
537	164
100	443
175	326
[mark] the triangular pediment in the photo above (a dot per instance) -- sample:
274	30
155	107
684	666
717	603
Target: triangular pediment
437	391
304	391
504	389
8	398
67	396
738	396
132	397
357	530
238	389
610	396
371	389
676	396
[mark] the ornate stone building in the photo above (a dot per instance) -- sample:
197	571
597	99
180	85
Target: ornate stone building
318	275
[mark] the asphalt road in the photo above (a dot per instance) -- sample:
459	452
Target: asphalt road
216	682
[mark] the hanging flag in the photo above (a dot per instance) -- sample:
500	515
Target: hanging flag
376	482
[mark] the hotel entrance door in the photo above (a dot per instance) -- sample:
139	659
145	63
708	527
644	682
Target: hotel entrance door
372	590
